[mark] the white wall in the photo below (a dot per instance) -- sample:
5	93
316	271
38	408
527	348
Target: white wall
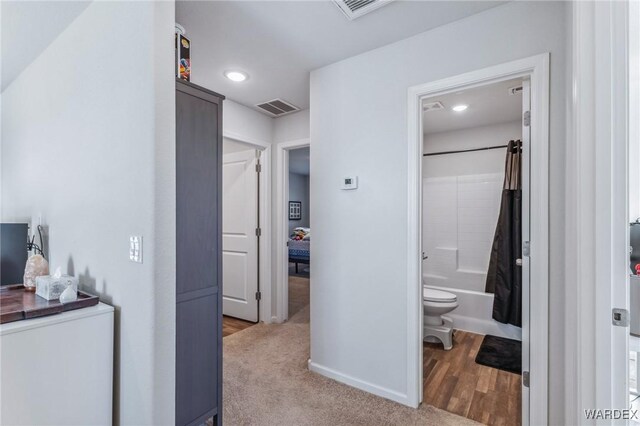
299	191
477	162
291	127
359	127
88	143
1	84
244	123
230	146
634	113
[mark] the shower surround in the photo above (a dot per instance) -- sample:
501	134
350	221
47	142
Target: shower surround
459	220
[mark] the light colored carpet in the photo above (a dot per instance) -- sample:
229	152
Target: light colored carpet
266	382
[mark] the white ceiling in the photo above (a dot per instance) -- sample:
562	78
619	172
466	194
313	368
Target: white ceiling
27	28
299	161
487	105
279	42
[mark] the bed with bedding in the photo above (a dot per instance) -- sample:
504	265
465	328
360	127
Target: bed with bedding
299	247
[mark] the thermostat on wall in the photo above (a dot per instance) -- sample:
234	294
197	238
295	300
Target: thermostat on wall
350	182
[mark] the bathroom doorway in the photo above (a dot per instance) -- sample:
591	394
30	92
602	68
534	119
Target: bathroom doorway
471	239
482	166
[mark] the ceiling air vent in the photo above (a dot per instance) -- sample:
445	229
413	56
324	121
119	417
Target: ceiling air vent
432	106
353	9
277	107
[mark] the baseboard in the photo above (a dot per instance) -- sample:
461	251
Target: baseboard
480	326
359	384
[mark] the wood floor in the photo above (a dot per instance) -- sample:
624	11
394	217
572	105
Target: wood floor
298	294
232	325
454	382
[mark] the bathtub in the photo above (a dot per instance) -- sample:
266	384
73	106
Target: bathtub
474	312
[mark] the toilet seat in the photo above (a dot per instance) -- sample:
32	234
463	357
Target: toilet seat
437	296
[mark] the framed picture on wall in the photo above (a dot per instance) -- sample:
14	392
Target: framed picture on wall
295	210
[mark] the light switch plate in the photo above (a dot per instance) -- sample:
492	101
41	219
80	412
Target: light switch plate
135	248
350	182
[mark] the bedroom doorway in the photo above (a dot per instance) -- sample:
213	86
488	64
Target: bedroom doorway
293	238
299	232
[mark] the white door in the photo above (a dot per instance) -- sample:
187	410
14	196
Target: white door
611	230
239	236
526	235
614	224
634	191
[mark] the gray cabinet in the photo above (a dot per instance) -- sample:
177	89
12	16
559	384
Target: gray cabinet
198	255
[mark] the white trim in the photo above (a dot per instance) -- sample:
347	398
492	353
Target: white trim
357	383
282	256
617	191
46	321
537	68
265	245
527	137
596	239
245	139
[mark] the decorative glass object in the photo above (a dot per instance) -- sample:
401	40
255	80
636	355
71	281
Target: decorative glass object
69	294
36	266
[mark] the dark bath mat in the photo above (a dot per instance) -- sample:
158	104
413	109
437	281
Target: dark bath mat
499	352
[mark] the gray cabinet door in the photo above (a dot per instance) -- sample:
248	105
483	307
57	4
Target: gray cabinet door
198	255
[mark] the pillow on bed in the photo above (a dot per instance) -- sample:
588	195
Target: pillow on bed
301	233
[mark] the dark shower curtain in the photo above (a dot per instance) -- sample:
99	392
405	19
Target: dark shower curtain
504	277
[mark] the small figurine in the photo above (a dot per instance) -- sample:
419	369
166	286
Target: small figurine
68	295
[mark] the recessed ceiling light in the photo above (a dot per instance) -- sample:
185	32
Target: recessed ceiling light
236	76
460	108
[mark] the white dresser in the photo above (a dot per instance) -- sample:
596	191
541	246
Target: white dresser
58	369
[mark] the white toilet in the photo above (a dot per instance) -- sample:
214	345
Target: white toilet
437	327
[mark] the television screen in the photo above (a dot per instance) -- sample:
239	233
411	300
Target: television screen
13	252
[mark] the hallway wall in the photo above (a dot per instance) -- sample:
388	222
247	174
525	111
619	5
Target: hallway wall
88	145
359	131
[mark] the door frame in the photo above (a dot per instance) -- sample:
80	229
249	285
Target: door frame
597	242
282	256
264	218
537	69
